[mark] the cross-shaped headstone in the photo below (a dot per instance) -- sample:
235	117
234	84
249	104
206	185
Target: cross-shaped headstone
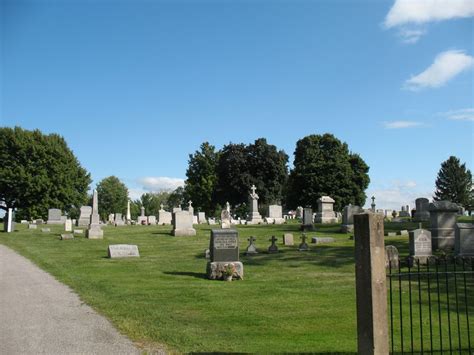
303	246
161	206
273	247
252	240
190	203
254	194
251	249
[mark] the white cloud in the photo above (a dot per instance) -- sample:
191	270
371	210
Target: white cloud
401	124
466	114
423	11
411	36
135	194
160	183
445	67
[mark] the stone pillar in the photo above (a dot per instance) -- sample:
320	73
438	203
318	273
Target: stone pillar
371	289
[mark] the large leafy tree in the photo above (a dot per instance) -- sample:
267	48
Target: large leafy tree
39	171
113	196
454	183
323	166
202	177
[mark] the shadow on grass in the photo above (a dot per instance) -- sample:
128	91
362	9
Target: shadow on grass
198	275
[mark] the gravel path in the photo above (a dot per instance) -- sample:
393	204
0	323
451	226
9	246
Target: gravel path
39	315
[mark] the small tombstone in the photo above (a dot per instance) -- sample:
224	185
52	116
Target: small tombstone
68	226
151	220
201	217
54	216
225	219
273	247
123	251
307	220
207	254
23	221
32	226
45	230
85	216
303	245
251	249
211	221
420	245
118	220
78	231
403	232
288	239
67	236
322	240
392	259
164	217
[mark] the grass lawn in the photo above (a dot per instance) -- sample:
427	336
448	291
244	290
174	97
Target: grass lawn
289	302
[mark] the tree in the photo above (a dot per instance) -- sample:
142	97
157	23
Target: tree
454	183
177	198
113	196
201	179
38	172
323	166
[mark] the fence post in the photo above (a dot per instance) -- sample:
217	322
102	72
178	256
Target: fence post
371	289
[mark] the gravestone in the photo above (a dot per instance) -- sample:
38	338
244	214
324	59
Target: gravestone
275	213
403	232
420	245
68	226
190	208
224	248
225	217
201	217
442	223
67	236
273	247
251	249
464	239
54	216
24	221
85	216
128	217
307	224
288	239
151	220
142	219
45	230
32	226
164	217
111	218
326	212
211	221
299	212
118	220
183	224
8	221
195	220
322	240
404	212
207	254
78	231
421	213
348	218
254	216
392	258
95	231
303	245
123	251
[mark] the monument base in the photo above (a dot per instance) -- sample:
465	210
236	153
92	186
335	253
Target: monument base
325	219
95	232
217	270
190	232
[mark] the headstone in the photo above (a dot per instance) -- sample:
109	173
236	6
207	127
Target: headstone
420	245
95	231
251	249
201	217
85	216
224	248
421	213
118	220
348	218
67	236
183	224
288	239
211	221
392	259
442	223
9	224
254	216
226	218
151	220
142	219
273	247
164	217
275	213
391	234
68	226
54	216
464	239
403	232
299	212
45	230
322	240
195	219
111	218
78	231
326	212
32	226
303	245
190	208
123	251
307	224
24	221
129	214
207	254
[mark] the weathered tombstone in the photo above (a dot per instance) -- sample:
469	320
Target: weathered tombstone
273	247
151	220
421	213
111	218
326	212
164	217
303	245
288	239
211	221
420	245
322	240
251	249
190	208
54	216
225	217
142	219
207	254
307	224
403	232
201	217
24	221
95	231
78	231
45	230
195	220
348	218
32	226
85	216
392	258
254	216
67	236
183	224
275	213
118	220
224	247
442	223
464	239
123	251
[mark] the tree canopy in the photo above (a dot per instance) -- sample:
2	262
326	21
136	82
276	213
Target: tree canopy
454	183
39	171
113	196
323	166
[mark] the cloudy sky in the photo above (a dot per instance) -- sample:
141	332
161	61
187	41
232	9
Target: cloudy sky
136	86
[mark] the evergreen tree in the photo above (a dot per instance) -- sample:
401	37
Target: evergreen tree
454	183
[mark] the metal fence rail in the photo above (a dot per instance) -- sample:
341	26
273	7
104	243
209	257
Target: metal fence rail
431	306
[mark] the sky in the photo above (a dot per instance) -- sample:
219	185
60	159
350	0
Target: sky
136	86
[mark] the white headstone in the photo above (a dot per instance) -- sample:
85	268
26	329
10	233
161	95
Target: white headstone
183	224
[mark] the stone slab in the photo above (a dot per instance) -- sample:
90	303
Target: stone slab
67	236
322	240
123	251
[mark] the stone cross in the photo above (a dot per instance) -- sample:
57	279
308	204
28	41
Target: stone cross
190	203
252	240
273	247
303	238
161	206
273	239
303	246
253	194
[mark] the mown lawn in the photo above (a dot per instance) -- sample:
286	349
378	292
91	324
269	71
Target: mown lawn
289	302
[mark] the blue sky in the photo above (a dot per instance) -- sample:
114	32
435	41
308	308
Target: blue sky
136	86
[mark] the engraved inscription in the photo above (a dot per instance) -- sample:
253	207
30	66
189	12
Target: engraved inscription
225	242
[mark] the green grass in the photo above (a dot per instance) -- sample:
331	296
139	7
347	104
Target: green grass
288	302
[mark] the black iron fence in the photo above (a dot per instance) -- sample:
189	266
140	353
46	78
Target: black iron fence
431	306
